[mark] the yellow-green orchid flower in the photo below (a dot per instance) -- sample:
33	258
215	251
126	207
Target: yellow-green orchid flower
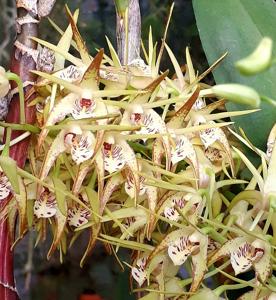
181	244
78	142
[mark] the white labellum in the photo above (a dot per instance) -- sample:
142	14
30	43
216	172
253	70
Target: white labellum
82	147
138	273
114	159
83	108
243	258
181	249
209	136
45	206
183	149
170	212
130	188
78	216
150	120
5	186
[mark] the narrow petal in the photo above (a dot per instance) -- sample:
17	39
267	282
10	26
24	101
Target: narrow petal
271	141
199	261
60	223
57	147
112	184
58	113
262	264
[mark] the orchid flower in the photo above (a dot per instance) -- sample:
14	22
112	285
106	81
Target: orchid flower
79	143
164	274
46	205
149	192
245	253
117	154
80	103
78	215
214	135
133	224
189	204
183	243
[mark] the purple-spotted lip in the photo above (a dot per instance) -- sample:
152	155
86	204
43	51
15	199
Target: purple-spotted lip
107	146
87	103
136	117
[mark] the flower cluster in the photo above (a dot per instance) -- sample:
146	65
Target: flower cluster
141	160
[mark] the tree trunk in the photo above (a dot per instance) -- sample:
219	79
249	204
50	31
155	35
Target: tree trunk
129	46
21	64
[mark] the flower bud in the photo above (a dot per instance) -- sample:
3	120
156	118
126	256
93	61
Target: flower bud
4	83
259	60
237	93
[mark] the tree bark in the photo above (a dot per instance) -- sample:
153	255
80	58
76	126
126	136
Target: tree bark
21	64
129	49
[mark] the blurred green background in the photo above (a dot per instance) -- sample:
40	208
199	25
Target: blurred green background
38	279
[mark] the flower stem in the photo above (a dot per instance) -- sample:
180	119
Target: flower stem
6	150
16	78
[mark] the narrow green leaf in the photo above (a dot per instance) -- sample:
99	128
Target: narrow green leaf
61	197
9	167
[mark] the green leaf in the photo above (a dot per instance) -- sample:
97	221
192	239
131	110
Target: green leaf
21	200
94	202
9	167
239	33
61	197
30	212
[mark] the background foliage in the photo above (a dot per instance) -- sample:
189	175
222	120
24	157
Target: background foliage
236	27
